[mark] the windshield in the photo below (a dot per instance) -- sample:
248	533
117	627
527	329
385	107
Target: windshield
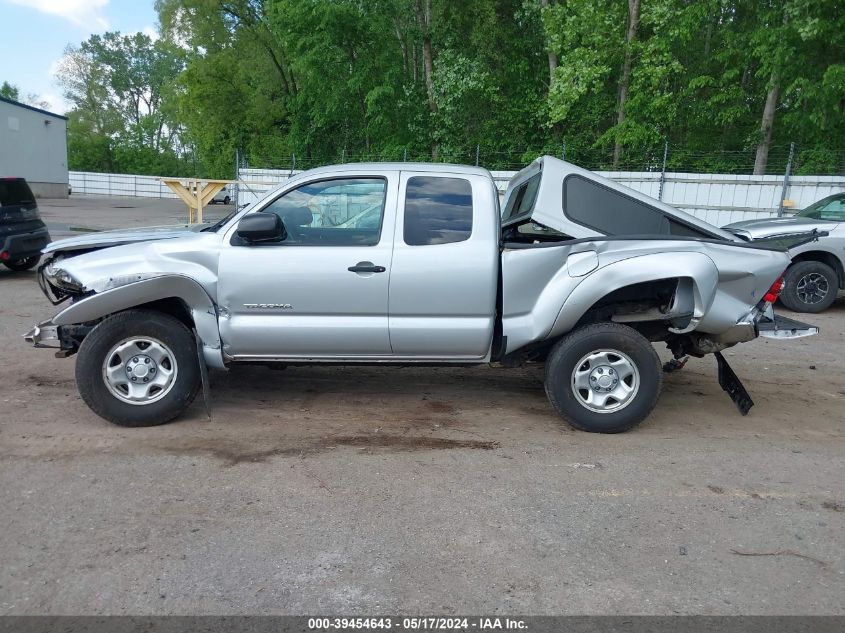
830	208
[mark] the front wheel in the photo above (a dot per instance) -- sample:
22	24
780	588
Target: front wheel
138	368
22	264
809	286
603	378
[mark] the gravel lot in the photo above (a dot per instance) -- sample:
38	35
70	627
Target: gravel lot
328	490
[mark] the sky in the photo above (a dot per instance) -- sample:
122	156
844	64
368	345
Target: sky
36	32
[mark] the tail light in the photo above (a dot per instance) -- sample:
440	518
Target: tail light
774	291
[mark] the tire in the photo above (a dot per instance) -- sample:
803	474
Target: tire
161	354
22	264
227	200
602	353
809	287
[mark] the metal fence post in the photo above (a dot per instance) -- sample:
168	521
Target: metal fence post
663	171
477	152
405	156
292	164
563	151
786	179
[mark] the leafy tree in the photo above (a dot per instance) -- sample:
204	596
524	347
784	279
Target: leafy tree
9	91
723	82
121	88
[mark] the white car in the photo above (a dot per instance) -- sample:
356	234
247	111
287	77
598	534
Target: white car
225	196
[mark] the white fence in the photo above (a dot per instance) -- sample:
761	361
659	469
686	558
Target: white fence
715	198
724	198
90	183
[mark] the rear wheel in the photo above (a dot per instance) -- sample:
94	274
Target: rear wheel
22	264
138	368
809	287
603	378
227	200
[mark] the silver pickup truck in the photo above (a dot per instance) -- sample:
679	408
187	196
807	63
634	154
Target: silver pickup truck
415	264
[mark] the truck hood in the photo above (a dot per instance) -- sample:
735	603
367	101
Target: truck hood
769	227
106	239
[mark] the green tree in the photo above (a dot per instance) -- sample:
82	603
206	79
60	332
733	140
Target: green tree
121	88
721	81
9	91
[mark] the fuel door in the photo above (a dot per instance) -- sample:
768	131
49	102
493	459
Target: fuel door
582	263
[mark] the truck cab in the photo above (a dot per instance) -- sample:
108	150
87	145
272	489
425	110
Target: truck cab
418	282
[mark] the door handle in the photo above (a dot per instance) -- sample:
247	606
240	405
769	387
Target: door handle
366	267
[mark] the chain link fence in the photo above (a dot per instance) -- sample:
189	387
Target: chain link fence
802	161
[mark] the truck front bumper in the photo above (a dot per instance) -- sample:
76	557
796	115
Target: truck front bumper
44	334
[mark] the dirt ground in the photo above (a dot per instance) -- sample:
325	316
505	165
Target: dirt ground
411	491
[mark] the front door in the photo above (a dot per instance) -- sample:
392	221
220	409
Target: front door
322	292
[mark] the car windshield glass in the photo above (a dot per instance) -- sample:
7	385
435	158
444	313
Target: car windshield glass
830	208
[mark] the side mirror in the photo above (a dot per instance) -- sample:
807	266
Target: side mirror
261	227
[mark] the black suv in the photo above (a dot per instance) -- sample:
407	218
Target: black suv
22	233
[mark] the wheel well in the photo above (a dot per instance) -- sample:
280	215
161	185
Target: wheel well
174	306
71	336
647	306
825	258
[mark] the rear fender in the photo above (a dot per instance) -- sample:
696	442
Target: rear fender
698	268
202	308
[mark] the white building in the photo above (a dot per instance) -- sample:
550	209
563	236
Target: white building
33	145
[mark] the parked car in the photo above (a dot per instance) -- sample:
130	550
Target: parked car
22	233
578	272
224	196
368	218
817	272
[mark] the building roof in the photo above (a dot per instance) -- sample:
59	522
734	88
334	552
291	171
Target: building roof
33	108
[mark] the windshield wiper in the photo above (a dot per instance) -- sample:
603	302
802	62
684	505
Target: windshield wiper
213	228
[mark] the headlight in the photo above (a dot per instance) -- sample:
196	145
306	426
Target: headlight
60	278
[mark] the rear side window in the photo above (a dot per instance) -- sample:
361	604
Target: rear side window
437	210
613	213
522	201
15	191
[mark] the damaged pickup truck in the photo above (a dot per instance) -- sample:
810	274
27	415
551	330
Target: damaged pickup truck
415	264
